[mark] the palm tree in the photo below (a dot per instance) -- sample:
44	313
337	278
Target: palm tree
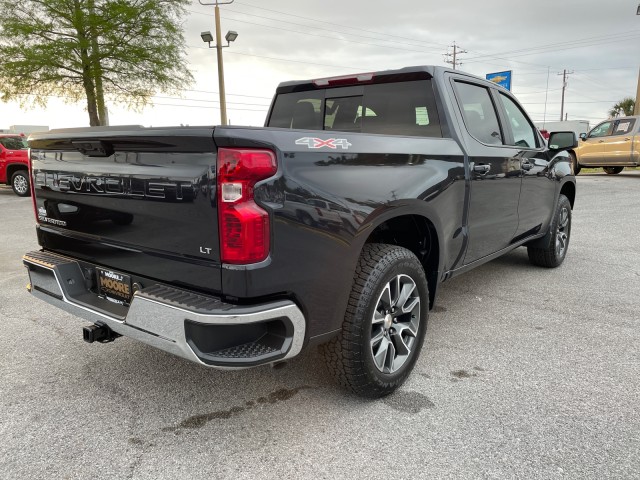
624	107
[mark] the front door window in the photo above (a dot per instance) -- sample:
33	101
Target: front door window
601	130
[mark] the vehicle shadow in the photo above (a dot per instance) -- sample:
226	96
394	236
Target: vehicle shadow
6	190
623	174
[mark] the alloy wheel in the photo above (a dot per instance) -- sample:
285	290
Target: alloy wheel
562	232
395	323
20	184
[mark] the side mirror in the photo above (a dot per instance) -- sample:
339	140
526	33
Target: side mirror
583	136
562	140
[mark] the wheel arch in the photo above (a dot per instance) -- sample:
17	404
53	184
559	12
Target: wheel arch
417	234
569	191
13	168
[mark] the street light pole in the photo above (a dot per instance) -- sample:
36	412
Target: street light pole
218	47
636	106
223	98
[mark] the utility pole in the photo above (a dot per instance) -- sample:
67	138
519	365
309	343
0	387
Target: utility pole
564	86
452	58
636	106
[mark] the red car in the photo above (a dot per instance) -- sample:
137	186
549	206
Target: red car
14	163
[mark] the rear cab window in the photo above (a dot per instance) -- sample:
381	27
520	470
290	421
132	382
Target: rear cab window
397	108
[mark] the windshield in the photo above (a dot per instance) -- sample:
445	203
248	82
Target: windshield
14	143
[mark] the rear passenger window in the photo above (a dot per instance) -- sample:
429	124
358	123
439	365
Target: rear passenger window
523	133
399	108
623	127
479	113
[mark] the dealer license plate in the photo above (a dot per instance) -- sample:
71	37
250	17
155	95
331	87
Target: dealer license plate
114	286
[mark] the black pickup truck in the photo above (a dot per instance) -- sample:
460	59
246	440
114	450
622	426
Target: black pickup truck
333	225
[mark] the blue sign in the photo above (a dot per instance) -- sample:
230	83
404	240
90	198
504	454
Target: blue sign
501	78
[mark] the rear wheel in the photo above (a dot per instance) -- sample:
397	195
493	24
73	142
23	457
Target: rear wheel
20	183
612	170
552	253
574	163
385	322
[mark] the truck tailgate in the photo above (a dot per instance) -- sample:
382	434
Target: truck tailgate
137	200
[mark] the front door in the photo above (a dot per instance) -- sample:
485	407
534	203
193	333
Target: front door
591	150
537	195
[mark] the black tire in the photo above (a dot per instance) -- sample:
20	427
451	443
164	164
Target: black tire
350	356
575	166
20	183
612	170
556	243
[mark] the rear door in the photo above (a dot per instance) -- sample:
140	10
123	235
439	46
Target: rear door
495	172
617	146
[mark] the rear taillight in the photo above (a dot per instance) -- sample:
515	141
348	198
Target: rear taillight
243	225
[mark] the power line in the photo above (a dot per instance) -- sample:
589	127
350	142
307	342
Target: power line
235	52
228	94
276	27
206	106
578	43
333	24
541	91
591	41
67	97
208	101
568	103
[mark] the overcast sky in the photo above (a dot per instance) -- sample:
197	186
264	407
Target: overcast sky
284	40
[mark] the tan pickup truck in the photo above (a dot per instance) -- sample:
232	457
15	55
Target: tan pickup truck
612	145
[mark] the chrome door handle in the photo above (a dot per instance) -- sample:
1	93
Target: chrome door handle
481	169
527	166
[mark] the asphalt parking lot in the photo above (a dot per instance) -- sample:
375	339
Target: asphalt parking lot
525	373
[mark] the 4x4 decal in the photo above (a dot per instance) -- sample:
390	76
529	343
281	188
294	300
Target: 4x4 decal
332	143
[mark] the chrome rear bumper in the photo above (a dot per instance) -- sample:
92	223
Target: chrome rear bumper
197	327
